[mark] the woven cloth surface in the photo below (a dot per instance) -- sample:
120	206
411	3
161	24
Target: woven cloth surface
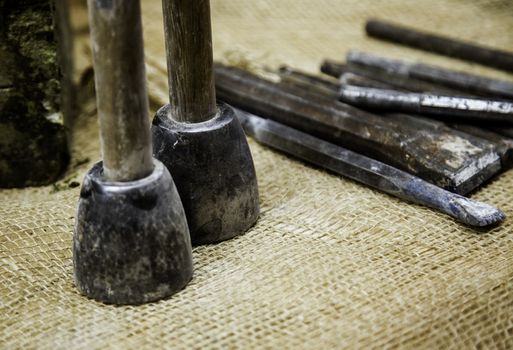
330	263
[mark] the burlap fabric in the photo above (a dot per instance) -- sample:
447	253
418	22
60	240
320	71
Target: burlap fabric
330	263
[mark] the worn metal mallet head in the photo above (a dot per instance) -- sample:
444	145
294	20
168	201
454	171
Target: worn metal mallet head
131	243
201	142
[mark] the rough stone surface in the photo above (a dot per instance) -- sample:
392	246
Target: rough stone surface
131	243
212	167
33	148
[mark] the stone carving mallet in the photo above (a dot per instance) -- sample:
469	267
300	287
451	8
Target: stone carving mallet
131	243
201	142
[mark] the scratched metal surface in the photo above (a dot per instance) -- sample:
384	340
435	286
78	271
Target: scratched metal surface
473	109
441	156
330	264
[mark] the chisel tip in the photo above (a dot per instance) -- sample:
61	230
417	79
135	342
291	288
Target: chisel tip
476	213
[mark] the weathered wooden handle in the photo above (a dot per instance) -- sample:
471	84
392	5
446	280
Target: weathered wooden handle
189	60
117	42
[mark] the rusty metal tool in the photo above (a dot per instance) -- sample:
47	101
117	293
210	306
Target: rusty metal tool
500	134
473	109
329	88
451	47
503	144
370	172
428	75
448	159
201	142
363	75
131	243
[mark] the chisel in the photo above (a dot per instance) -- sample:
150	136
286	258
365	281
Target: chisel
329	88
467	108
428	75
368	171
440	44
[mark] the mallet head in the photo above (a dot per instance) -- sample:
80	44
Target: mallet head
131	242
213	170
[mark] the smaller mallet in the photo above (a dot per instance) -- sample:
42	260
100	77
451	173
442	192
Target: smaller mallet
201	142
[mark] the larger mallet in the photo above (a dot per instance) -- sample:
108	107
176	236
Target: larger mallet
201	143
131	243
